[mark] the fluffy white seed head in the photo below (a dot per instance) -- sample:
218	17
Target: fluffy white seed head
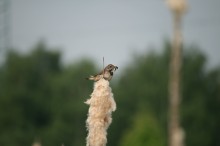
101	104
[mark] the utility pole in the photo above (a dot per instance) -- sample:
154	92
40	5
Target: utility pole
176	133
4	29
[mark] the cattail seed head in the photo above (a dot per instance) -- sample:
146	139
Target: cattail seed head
102	104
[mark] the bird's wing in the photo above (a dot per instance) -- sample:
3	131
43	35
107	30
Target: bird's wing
101	72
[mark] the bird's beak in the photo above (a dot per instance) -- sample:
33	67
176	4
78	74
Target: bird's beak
116	67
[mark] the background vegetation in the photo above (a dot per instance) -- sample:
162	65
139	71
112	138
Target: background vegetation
42	100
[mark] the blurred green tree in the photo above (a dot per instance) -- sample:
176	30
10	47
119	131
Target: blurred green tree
201	100
42	100
25	95
70	90
143	84
145	130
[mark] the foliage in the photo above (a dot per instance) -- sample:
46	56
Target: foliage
145	130
143	85
42	100
200	103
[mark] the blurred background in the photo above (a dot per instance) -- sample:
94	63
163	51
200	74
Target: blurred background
48	47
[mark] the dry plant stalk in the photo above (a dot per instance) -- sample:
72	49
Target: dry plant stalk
102	104
176	133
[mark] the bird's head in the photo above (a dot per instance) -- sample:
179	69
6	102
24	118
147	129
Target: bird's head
111	67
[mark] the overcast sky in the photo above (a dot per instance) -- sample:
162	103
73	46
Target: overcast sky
111	28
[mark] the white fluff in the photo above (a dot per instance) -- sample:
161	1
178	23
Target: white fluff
102	104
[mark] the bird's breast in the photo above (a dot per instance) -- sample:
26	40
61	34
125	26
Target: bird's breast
107	75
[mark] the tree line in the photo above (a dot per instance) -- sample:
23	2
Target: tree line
42	100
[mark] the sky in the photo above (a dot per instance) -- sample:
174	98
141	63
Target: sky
114	29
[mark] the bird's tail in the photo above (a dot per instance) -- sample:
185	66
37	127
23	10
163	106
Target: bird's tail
90	78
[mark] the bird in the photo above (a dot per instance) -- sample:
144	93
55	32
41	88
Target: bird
106	73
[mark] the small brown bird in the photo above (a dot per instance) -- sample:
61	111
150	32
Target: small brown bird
107	73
